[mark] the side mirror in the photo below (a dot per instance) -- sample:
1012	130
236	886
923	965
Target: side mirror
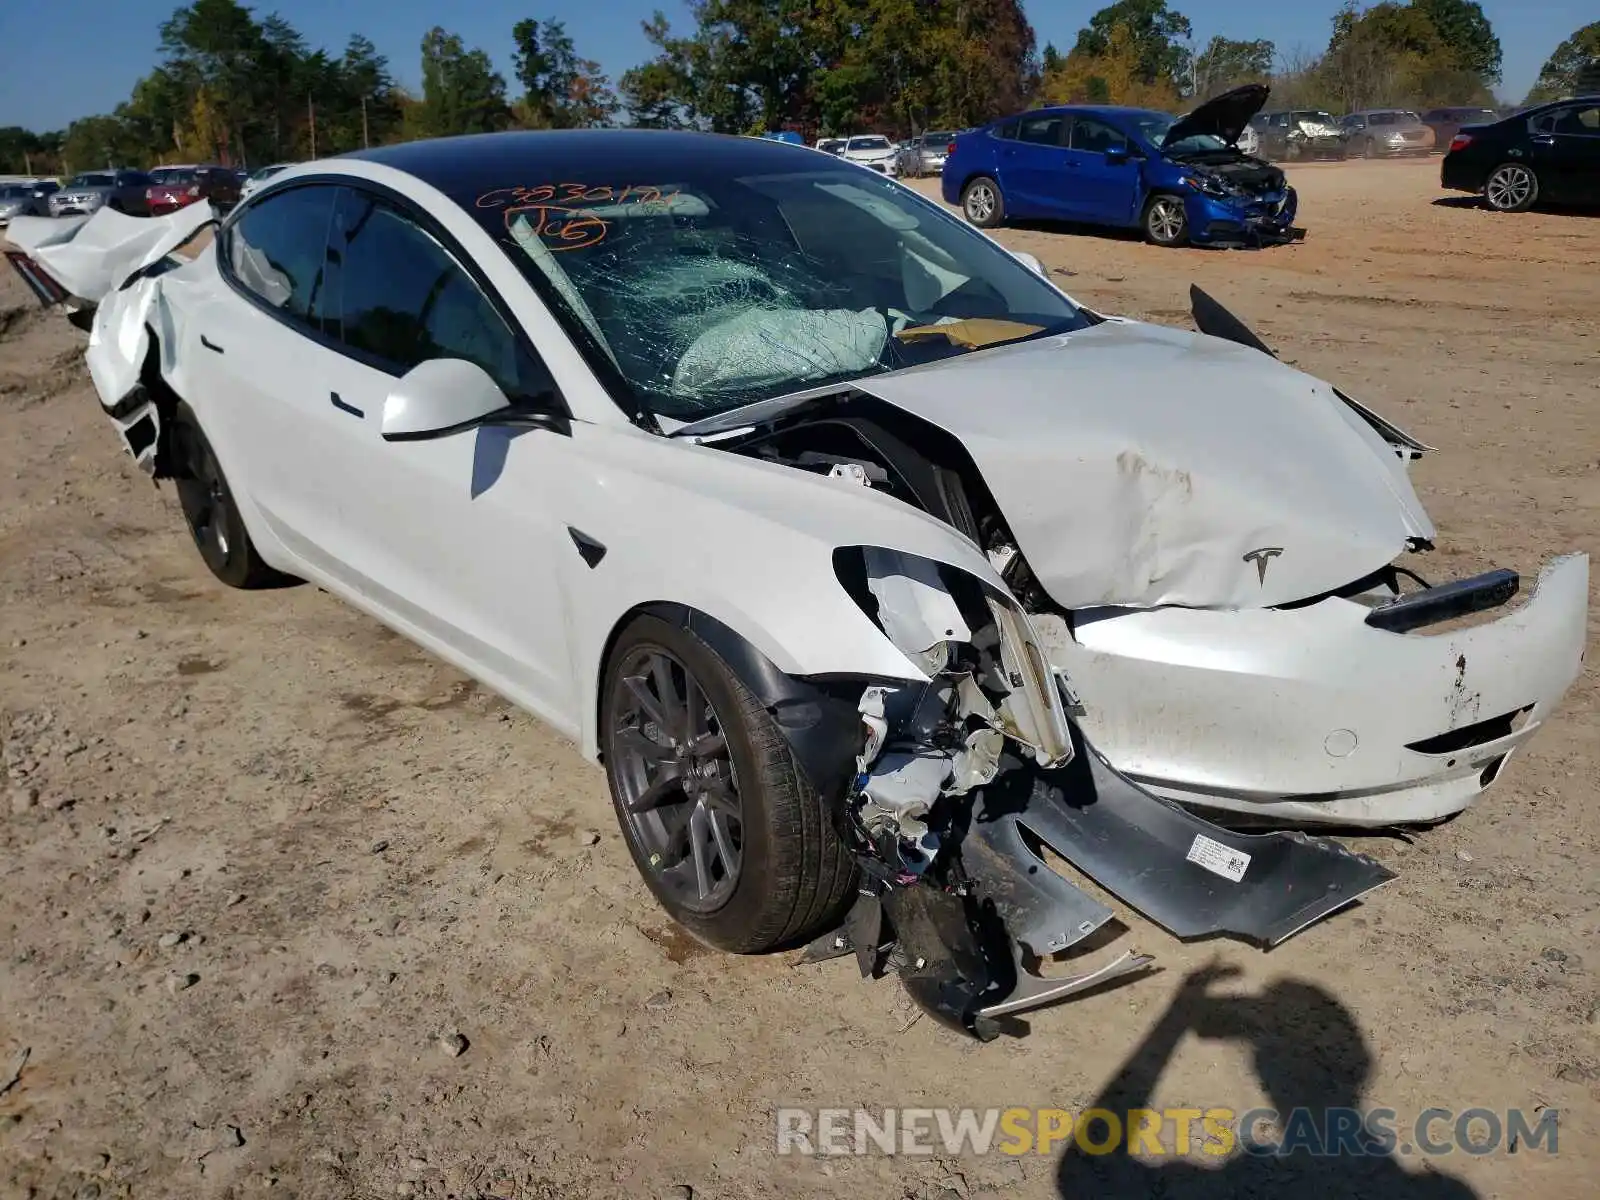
450	395
1029	261
1117	155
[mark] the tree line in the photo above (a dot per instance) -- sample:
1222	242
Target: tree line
235	88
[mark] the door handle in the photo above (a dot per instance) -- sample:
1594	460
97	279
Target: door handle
343	407
209	344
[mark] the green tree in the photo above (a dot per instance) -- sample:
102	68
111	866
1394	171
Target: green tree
560	90
1225	63
461	90
1465	34
1560	75
1158	32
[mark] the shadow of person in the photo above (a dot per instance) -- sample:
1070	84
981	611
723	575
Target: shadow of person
1313	1063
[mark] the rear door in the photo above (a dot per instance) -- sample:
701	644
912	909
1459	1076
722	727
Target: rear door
1567	155
1035	173
1105	190
258	360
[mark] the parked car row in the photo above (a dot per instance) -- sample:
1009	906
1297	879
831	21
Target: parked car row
1195	179
151	193
1298	134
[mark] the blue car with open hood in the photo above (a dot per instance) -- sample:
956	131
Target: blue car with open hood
1179	179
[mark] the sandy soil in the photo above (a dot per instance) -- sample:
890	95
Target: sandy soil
259	853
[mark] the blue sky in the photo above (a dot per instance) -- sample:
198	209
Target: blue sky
71	58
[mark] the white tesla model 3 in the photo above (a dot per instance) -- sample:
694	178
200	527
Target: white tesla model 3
798	503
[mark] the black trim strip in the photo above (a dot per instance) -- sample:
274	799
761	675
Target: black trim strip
210	345
1446	602
344	407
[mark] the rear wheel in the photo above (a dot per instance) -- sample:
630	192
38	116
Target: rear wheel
1511	188
719	818
982	203
210	511
1165	221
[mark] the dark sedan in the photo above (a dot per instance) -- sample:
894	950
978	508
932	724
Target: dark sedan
1546	154
1447	122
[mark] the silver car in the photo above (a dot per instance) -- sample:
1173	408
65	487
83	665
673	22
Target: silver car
1386	132
117	188
925	153
29	198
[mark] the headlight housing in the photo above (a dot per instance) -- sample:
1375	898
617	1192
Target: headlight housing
954	625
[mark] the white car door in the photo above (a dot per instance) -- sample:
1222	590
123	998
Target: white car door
430	532
256	366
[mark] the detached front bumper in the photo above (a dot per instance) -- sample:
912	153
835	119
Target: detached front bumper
1217	220
1311	714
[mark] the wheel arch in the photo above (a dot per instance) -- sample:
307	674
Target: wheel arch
818	718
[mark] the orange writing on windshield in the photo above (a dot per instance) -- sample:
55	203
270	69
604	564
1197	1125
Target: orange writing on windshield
560	227
568	194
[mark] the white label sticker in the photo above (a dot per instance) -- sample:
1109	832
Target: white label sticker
1217	858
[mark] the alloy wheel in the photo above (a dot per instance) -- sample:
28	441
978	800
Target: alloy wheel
206	503
1509	188
1166	219
980	202
676	779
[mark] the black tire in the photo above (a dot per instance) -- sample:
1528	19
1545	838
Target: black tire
795	875
1511	188
209	510
1165	222
982	203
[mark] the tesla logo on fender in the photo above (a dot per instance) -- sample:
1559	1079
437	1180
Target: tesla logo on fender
1261	558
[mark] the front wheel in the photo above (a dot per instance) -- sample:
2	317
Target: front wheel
982	203
1165	221
1511	188
720	820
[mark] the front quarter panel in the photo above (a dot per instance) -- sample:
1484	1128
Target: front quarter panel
748	543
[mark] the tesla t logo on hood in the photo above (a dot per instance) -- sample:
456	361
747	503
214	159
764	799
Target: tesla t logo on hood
1261	558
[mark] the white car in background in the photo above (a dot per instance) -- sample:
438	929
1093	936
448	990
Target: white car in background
256	178
816	516
874	151
1250	141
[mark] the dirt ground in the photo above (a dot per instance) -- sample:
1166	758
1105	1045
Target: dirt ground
259	853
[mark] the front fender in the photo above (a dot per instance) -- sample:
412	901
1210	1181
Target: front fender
748	543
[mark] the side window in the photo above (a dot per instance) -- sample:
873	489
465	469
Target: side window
276	251
1042	130
1008	131
1584	122
1096	136
1280	120
405	299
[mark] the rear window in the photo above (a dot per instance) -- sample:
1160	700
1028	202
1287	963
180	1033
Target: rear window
174	178
92	180
869	143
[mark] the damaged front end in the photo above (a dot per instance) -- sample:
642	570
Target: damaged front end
965	777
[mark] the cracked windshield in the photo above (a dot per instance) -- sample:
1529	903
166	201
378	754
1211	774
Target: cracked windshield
700	295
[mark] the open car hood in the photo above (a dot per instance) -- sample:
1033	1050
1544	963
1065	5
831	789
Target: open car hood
1223	116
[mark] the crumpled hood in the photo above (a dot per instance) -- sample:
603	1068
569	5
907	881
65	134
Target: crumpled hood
91	256
1140	465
